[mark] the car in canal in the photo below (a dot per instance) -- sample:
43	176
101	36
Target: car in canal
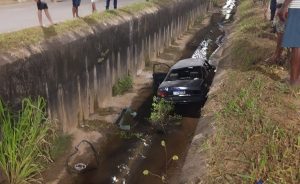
188	81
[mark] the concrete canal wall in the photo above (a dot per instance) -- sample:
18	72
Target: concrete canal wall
76	72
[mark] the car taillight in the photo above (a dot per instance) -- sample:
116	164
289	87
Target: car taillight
161	93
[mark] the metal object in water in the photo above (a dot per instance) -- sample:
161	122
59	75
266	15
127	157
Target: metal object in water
80	166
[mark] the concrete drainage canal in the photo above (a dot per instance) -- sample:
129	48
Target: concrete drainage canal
139	153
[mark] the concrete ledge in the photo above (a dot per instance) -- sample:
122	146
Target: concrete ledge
75	72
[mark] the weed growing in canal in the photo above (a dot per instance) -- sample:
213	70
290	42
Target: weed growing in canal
163	114
122	85
24	141
164	176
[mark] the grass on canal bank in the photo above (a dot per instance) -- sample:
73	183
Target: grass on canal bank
257	124
30	36
25	142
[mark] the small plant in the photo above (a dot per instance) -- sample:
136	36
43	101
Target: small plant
162	113
122	85
164	176
24	142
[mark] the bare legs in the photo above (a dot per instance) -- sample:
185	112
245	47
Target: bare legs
40	17
295	67
75	12
93	7
48	16
278	50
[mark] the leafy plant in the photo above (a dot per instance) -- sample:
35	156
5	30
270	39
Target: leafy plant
23	143
164	176
162	113
122	85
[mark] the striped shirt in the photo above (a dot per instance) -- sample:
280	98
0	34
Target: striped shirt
280	1
295	4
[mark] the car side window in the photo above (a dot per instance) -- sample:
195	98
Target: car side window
173	76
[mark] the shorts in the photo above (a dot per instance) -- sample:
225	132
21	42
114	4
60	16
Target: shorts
76	3
42	5
291	36
93	1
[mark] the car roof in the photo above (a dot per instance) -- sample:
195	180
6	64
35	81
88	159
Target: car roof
190	62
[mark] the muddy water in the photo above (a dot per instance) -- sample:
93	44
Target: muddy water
126	155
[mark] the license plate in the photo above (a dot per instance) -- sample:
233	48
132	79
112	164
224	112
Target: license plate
178	92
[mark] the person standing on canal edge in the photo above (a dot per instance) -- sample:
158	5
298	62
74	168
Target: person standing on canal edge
93	5
76	4
290	12
43	6
272	9
108	2
279	29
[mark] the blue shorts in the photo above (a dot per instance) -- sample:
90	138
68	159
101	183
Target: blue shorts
42	5
76	3
291	36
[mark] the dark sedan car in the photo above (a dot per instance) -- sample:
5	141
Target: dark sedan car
187	81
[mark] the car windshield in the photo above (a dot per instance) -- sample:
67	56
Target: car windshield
188	73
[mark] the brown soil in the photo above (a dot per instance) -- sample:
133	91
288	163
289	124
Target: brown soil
250	104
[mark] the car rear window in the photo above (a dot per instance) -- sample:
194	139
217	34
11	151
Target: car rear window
187	73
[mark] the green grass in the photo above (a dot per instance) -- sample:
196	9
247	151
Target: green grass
123	85
31	36
257	130
162	114
24	145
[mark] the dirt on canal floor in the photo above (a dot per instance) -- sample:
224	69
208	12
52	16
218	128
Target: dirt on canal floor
120	156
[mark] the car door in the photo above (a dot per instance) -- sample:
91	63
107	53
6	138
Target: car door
160	71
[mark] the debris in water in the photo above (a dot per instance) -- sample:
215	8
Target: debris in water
124	169
126	119
80	166
74	166
115	179
145	144
142	156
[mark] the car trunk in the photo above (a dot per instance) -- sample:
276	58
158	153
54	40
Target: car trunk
183	87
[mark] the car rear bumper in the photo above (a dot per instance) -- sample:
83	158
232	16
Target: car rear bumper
186	99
